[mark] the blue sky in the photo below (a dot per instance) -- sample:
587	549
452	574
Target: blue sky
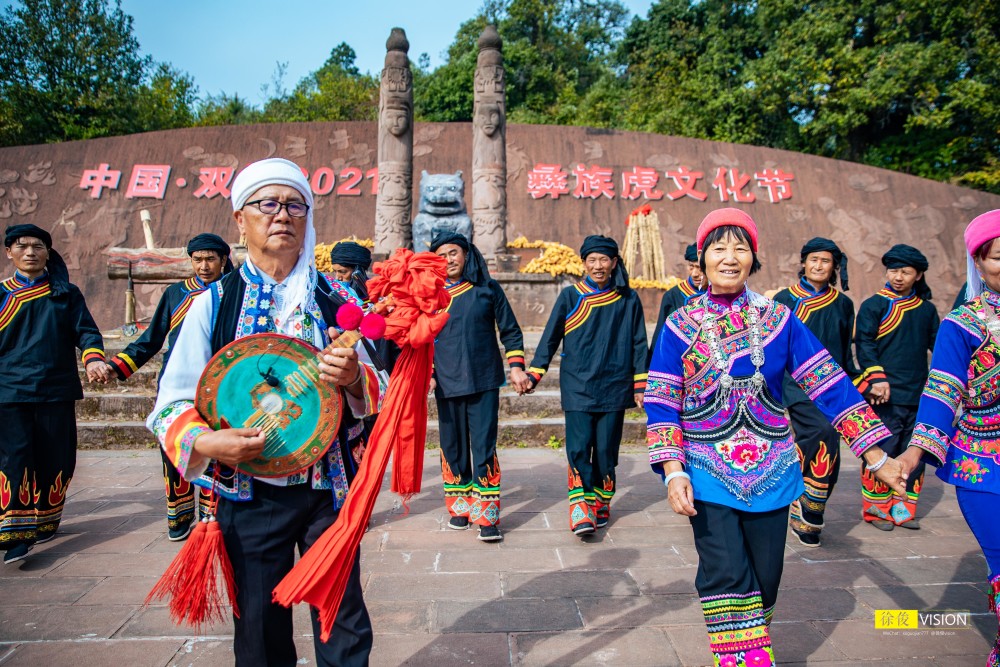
234	46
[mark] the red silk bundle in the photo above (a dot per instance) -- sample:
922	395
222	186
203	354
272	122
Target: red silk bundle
408	289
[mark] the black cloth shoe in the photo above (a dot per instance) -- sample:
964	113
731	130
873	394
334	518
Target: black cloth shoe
882	524
584	528
490	534
48	538
912	524
808	539
16	553
458	522
180	533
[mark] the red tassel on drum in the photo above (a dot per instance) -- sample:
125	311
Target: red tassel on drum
191	581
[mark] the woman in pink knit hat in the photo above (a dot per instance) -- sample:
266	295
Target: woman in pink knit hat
965	371
719	438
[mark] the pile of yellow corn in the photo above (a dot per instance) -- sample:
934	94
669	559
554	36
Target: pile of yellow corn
556	259
637	283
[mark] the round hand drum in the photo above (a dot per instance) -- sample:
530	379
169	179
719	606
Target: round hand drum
270	381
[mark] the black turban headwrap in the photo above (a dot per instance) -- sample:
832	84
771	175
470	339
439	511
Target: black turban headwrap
820	244
691	253
607	246
349	253
900	256
58	273
475	266
359	258
214	243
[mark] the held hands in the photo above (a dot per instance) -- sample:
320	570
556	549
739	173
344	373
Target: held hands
878	393
910	459
520	381
99	371
892	472
231	445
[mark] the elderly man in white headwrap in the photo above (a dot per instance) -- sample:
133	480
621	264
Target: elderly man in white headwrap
264	520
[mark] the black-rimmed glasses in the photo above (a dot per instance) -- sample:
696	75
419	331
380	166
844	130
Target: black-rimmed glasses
295	209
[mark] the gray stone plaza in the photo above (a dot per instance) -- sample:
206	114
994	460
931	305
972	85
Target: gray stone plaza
541	597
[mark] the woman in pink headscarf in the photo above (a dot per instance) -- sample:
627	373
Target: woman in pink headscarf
965	371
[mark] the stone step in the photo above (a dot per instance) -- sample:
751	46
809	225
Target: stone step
143	380
133	404
548	431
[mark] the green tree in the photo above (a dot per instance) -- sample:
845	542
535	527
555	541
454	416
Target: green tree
336	91
555	52
227	109
71	69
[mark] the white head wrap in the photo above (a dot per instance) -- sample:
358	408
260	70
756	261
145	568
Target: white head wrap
301	282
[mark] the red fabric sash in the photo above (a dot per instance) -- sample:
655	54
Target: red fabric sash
408	289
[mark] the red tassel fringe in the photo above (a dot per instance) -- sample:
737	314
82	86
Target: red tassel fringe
191	581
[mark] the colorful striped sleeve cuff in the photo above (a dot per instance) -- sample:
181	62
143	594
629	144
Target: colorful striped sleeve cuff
869	377
373	387
861	428
536	374
932	440
124	365
665	442
92	354
515	359
639	382
177	427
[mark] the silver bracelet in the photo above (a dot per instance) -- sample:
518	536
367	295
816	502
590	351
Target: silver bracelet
679	473
877	466
361	372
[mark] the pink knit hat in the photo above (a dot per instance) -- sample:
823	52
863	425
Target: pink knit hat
982	229
727	216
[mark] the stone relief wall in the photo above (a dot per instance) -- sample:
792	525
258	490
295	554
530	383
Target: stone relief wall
88	194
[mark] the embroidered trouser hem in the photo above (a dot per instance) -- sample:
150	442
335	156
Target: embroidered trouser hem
878	501
469	464
592	443
818	444
37	462
740	560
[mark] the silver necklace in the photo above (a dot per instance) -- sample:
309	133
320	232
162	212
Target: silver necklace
721	360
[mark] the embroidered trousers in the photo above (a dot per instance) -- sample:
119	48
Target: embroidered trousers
878	501
469	465
740	560
592	443
181	495
37	461
818	443
261	536
979	509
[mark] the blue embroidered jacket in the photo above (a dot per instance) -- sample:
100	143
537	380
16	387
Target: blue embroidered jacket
736	443
965	371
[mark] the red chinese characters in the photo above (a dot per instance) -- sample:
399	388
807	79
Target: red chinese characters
685	179
641	182
96	180
214	181
593	182
776	182
733	187
547	180
148	180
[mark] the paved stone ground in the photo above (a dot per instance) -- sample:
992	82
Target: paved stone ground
542	597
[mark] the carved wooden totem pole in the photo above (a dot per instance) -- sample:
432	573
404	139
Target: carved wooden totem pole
394	202
489	148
